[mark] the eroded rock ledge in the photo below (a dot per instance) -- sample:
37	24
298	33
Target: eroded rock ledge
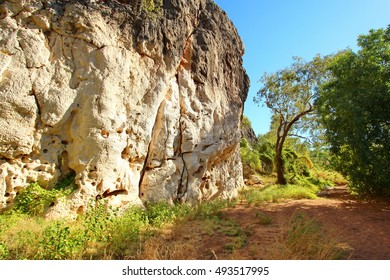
142	107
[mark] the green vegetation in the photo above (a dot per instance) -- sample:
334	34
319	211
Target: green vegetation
98	234
278	193
342	103
152	6
354	108
34	199
290	94
351	92
257	159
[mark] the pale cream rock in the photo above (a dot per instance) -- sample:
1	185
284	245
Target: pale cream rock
141	108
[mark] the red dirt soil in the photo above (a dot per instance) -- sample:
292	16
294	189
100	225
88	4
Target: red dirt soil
362	227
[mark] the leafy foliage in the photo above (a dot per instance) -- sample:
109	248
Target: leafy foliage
257	159
250	158
34	199
355	110
152	6
58	242
246	123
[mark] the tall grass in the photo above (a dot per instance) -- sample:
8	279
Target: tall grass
278	193
305	239
97	234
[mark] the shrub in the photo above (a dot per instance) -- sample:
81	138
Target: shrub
152	6
160	213
59	243
34	199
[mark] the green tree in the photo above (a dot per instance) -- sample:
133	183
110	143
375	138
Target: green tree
355	109
290	94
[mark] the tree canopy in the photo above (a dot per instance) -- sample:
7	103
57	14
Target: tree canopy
355	110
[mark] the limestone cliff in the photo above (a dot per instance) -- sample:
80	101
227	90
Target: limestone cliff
141	105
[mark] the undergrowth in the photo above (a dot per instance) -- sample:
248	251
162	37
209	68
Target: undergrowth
278	193
305	239
96	234
299	187
152	6
138	233
34	199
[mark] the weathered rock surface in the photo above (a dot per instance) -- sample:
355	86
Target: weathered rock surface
142	107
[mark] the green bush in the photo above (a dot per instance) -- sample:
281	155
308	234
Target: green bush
59	242
34	200
160	213
258	159
152	6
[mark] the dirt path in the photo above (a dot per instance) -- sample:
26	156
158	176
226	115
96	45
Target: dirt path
363	228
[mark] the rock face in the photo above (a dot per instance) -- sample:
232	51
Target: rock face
142	106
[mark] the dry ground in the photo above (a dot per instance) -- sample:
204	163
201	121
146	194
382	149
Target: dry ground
361	228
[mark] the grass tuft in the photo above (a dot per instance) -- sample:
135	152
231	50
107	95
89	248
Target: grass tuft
305	239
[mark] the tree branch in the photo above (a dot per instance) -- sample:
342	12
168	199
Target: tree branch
299	136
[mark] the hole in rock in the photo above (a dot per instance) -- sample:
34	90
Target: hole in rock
52	204
64	142
25	159
80	210
125	153
45	151
7	194
105	133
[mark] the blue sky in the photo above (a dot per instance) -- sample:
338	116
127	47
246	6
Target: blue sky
274	31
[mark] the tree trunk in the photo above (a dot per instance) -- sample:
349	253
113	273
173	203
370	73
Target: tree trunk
281	135
279	165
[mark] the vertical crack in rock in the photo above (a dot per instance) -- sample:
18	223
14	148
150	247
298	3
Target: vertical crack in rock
145	167
181	189
37	102
184	63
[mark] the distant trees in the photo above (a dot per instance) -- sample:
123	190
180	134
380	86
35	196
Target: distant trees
290	94
355	110
344	96
256	152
